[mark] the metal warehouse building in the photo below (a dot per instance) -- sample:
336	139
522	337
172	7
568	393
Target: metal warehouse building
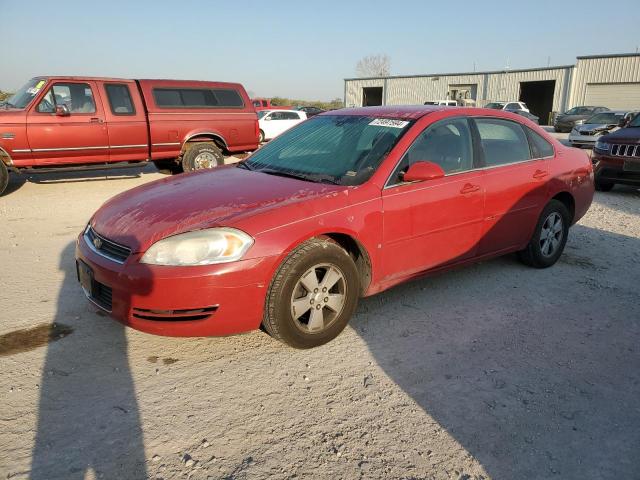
604	80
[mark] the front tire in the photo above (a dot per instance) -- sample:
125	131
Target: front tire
4	177
549	238
202	155
313	295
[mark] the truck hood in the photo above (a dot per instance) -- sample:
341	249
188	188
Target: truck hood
624	135
141	216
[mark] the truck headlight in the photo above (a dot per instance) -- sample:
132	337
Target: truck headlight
602	146
200	247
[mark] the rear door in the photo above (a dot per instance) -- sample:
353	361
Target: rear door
126	122
516	184
79	137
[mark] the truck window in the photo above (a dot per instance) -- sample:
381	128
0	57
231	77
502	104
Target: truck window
197	98
120	99
78	98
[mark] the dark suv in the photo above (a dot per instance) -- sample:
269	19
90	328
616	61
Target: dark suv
616	157
565	122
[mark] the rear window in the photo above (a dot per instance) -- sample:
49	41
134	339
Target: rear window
503	142
197	98
539	146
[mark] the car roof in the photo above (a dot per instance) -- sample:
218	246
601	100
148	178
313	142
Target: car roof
414	112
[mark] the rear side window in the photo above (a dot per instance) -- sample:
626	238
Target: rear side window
291	115
197	98
502	141
539	146
119	99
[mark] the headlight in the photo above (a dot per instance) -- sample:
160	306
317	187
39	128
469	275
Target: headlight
201	247
578	122
602	146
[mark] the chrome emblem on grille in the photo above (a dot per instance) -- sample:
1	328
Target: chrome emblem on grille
97	243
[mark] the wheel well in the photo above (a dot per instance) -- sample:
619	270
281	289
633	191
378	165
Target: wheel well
359	255
5	158
567	199
205	137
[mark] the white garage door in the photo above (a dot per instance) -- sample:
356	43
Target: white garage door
616	96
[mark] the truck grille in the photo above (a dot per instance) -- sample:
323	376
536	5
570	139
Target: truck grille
623	150
104	247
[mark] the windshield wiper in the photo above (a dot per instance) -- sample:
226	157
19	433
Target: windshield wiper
281	173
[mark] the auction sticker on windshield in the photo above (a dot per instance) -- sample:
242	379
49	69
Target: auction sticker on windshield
389	122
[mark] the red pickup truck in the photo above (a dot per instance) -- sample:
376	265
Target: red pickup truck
71	123
265	104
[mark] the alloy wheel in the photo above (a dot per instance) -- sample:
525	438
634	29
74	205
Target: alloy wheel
551	234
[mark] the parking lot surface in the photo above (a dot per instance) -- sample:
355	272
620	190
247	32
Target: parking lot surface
491	371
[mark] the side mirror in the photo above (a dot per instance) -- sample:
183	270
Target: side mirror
421	171
267	118
62	111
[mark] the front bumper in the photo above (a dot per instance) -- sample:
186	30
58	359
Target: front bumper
583	141
211	300
620	170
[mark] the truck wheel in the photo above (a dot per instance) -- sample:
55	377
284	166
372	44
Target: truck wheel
549	238
313	295
4	177
202	155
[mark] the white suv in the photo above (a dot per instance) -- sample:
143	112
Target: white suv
274	122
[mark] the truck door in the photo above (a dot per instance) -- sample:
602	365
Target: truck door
126	122
67	125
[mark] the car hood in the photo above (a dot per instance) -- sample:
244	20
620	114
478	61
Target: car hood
571	118
595	127
12	115
141	216
625	135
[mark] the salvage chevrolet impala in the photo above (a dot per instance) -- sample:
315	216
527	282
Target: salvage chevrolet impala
344	205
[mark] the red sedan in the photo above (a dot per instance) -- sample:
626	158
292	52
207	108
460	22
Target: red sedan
345	205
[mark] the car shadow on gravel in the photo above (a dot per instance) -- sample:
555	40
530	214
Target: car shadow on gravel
88	417
534	372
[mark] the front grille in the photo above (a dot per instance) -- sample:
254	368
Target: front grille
102	295
174	315
105	247
624	150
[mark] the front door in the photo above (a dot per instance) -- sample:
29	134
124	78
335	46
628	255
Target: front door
436	222
79	137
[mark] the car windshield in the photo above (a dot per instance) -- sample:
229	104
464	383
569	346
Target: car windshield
262	113
579	111
340	149
605	118
26	93
495	105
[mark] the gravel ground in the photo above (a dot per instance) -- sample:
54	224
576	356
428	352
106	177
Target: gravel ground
492	371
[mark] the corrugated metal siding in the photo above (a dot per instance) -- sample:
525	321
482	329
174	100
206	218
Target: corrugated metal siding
353	90
613	95
603	70
490	87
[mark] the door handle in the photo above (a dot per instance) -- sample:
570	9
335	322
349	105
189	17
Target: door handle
469	188
540	174
95	120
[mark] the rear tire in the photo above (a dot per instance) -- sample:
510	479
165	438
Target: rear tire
313	295
261	137
603	186
549	237
4	177
202	155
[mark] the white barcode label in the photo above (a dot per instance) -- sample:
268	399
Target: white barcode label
389	122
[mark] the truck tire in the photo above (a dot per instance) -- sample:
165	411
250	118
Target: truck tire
313	295
202	155
4	177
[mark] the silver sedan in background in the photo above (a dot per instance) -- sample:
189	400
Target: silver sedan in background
586	135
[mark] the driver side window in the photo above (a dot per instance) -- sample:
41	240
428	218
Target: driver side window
446	143
78	98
